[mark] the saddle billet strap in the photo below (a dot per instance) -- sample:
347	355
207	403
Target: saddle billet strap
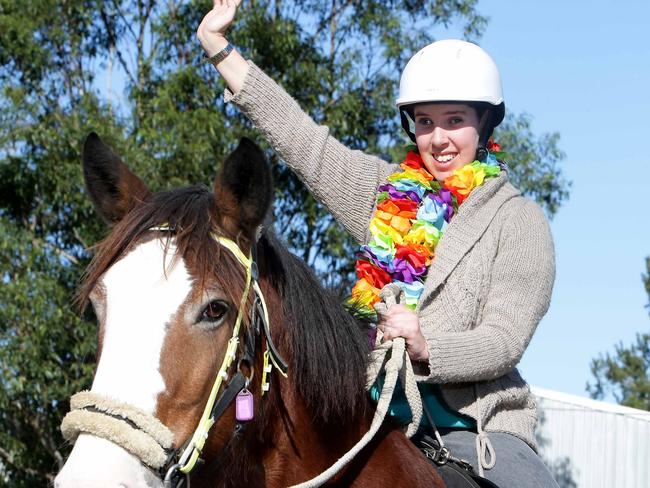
440	455
457	473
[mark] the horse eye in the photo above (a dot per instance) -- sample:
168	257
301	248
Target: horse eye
214	311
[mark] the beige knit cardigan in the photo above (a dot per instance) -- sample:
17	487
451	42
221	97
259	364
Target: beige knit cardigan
488	287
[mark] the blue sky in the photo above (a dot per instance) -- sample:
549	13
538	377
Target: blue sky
582	68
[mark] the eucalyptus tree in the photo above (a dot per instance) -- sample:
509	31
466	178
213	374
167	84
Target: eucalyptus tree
133	71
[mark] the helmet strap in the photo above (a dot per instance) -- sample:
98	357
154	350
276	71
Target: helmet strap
484	135
407	123
481	153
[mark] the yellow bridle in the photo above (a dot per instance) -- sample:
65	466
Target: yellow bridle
192	452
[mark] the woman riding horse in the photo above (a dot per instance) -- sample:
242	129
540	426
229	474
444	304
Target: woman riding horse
473	258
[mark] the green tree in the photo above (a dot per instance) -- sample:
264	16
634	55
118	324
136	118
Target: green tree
160	107
625	374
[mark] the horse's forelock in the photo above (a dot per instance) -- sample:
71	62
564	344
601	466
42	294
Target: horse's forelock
190	214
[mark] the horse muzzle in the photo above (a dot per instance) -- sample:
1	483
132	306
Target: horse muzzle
146	440
136	431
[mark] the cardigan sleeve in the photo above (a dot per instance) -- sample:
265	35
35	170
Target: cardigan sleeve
519	296
344	180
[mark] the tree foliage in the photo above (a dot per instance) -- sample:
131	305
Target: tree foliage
535	162
132	71
625	374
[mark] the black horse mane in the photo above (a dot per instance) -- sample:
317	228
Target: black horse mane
327	347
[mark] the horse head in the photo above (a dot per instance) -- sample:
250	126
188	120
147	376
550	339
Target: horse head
166	295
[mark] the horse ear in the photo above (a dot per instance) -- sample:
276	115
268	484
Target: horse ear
243	189
113	188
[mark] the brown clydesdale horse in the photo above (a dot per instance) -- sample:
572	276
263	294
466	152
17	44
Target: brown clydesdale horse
166	294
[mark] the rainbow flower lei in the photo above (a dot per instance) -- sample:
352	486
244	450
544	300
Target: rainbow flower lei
412	212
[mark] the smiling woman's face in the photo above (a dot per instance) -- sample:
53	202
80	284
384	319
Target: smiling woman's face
446	135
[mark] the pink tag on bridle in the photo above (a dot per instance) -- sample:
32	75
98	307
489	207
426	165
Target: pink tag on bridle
244	406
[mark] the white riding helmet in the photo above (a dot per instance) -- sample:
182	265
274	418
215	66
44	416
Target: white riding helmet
452	71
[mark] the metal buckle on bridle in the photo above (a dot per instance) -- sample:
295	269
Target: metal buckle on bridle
439	455
175	479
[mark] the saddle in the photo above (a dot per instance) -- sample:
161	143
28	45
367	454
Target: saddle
456	473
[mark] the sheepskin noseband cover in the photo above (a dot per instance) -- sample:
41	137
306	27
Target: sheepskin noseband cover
136	431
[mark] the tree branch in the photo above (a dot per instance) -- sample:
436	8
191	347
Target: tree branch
127	24
62	253
77	236
112	40
324	23
45	440
9	459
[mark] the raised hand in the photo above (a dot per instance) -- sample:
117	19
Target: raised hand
213	27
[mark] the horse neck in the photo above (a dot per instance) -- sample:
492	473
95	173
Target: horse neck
283	448
300	452
295	450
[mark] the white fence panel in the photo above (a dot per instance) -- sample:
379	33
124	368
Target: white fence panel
592	444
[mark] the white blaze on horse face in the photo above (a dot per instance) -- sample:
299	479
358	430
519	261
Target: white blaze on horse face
141	298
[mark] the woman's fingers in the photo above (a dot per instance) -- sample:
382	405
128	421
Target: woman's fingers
398	321
217	21
388	335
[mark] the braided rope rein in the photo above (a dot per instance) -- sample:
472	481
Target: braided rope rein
392	358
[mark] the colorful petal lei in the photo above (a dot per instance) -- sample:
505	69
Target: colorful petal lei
412	213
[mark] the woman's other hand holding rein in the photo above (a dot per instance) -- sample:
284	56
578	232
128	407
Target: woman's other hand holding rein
399	321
